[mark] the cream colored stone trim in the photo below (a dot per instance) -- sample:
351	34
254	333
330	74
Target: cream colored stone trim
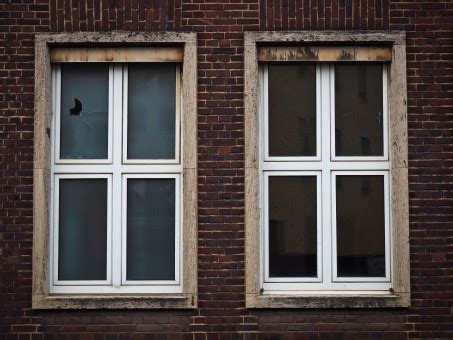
41	299
400	295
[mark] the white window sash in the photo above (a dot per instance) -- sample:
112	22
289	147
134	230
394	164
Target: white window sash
57	110
178	217
326	166
318	277
175	160
55	231
114	169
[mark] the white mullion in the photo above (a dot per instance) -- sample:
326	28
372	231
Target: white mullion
125	88
313	166
265	115
262	84
178	146
125	168
326	93
57	106
385	111
116	172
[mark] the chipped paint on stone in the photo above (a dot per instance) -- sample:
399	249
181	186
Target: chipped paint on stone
120	54
325	53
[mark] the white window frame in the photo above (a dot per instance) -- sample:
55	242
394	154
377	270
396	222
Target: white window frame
385	176
117	171
178	216
55	230
385	156
175	160
56	93
267	157
267	278
326	166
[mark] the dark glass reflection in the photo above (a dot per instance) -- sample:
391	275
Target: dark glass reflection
84	111
82	237
358	110
292	110
292	226
360	226
151	119
151	229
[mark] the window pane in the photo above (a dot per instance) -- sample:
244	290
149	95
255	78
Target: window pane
292	226
151	229
151	111
360	226
82	237
84	111
292	110
358	110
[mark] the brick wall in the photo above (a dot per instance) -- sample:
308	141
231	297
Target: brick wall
220	26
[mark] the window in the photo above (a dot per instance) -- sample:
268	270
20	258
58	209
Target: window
117	228
116	221
324	175
326	170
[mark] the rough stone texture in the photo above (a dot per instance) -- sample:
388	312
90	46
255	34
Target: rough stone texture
221	313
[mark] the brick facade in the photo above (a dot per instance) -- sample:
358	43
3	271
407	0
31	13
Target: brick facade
220	26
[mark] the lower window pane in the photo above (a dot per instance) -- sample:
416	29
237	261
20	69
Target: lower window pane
292	226
82	240
360	226
150	229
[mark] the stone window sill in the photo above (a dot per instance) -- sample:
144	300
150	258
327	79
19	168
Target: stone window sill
328	301
156	301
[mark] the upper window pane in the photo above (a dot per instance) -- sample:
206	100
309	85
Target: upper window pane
292	110
151	111
84	111
358	110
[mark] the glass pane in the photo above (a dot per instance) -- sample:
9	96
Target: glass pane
82	237
151	229
151	111
292	226
292	110
84	111
360	226
358	110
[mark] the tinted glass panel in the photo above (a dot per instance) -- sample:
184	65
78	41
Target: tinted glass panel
292	226
151	111
358	110
360	226
292	110
151	229
82	237
84	111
